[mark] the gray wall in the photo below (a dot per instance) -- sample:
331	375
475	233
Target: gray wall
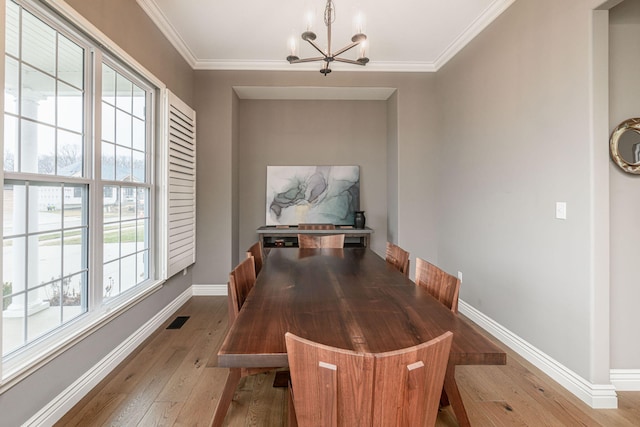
125	23
516	134
284	133
624	61
221	117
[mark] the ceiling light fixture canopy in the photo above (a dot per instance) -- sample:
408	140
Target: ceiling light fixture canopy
358	39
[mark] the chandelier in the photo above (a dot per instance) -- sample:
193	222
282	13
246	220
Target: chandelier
328	56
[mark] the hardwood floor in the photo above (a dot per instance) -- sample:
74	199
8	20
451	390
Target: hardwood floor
172	380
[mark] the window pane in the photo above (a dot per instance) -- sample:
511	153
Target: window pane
108	123
37	148
139	102
128	203
43	319
74	259
70	62
142	207
13	323
128	273
139	135
111	240
47	249
108	161
13	263
111	279
11	73
12	22
10	143
138	166
38	96
142	234
128	238
124	92
143	266
123	128
108	84
69	154
14	210
73	301
45	204
111	211
70	107
38	43
75	206
123	164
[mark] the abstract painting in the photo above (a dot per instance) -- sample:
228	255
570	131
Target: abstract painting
312	194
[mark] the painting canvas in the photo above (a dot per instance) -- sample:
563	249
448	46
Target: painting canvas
312	194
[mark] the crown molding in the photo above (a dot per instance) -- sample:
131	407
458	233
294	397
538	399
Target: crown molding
158	17
314	93
283	65
494	10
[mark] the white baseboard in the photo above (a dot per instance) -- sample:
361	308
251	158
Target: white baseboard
598	396
209	290
626	379
59	406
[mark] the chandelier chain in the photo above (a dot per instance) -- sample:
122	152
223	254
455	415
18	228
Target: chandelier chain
329	13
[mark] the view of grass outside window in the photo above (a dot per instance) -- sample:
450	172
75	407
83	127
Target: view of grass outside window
54	172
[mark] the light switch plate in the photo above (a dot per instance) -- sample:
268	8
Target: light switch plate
561	210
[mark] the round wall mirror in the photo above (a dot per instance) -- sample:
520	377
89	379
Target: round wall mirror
625	145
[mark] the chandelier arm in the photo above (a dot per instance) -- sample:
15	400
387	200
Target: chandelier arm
346	48
349	61
317	58
312	43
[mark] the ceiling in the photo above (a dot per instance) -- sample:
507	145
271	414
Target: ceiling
403	35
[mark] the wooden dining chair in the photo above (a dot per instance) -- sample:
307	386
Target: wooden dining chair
257	253
309	226
241	281
440	284
320	241
334	387
398	257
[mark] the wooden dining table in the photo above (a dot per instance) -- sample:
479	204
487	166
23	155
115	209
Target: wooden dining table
347	298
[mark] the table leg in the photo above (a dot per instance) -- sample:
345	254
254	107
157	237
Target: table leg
230	385
453	394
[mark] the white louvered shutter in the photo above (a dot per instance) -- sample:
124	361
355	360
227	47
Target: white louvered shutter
181	185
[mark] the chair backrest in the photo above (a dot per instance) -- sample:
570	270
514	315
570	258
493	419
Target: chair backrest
257	253
321	241
310	226
334	387
241	281
442	285
398	257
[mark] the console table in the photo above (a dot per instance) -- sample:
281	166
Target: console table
274	236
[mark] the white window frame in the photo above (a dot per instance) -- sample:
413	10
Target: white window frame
23	362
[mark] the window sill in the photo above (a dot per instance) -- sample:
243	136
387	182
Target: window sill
17	367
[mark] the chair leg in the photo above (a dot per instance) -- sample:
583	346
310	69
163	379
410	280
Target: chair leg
230	385
444	399
453	394
291	410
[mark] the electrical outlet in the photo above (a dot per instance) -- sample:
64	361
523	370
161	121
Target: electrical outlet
460	275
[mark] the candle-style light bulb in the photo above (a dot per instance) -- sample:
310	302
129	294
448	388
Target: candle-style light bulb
309	18
359	23
293	46
293	49
363	49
